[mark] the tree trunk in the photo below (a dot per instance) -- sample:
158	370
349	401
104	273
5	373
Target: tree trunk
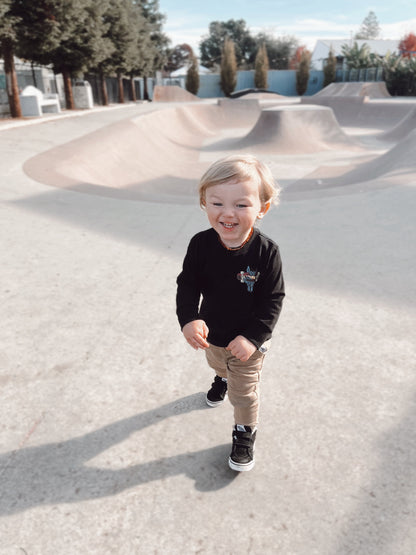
33	74
103	89
69	97
145	91
132	90
11	79
120	88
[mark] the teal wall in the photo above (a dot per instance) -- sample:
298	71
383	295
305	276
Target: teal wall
280	81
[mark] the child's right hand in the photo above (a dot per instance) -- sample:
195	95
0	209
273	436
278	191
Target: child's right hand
196	333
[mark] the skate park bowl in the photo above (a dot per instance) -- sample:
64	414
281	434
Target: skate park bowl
106	430
322	145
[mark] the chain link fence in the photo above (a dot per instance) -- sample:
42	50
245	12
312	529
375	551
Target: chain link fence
45	80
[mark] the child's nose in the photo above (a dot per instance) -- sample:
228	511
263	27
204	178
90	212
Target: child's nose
228	210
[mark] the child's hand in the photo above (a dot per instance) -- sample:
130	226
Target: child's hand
241	348
196	333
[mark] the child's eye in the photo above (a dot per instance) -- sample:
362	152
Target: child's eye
217	203
241	205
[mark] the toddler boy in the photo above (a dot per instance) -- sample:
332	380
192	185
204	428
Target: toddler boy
237	272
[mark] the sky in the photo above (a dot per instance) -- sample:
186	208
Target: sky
188	22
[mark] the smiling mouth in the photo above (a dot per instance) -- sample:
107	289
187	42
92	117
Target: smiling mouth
228	226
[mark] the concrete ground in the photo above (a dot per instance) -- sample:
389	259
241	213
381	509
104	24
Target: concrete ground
106	444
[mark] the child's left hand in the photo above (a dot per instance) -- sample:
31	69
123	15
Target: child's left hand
241	348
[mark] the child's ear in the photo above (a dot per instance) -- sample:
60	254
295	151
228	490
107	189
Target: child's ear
264	209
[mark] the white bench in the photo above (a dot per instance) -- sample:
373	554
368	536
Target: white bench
34	102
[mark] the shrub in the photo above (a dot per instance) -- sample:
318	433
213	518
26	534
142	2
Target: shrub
228	74
330	69
192	76
302	74
261	68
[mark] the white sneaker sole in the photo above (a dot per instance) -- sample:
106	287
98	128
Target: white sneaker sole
215	403
240	467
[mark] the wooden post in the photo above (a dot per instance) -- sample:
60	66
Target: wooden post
120	88
69	97
11	79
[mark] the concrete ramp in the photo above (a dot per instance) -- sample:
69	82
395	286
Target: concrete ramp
402	129
124	156
361	111
346	109
397	166
266	96
154	156
172	93
340	89
160	155
297	129
375	89
291	130
239	112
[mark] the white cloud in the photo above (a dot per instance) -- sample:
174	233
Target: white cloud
191	36
398	30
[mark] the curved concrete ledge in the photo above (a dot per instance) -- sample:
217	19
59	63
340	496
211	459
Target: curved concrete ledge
371	89
361	111
396	167
159	156
297	130
402	129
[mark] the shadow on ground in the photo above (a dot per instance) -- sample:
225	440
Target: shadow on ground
133	222
59	472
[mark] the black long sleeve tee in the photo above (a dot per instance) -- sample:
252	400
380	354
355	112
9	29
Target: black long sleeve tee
242	290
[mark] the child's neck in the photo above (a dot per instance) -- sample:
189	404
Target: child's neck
239	246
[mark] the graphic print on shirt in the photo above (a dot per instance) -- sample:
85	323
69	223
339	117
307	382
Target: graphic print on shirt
249	277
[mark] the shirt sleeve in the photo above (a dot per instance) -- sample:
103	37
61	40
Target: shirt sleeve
188	287
269	300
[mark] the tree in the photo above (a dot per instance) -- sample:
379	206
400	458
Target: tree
407	46
212	45
124	24
370	29
302	73
154	48
192	76
143	52
228	73
178	56
359	57
104	47
400	75
297	57
138	44
261	68
8	40
279	50
144	63
330	69
58	33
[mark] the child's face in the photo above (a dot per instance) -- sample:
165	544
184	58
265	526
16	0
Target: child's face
232	209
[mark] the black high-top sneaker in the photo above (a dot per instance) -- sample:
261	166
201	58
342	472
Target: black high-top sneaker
242	454
217	393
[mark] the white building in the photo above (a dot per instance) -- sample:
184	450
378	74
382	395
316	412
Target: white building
178	77
322	48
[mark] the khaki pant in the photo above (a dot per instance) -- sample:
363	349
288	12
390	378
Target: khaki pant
243	380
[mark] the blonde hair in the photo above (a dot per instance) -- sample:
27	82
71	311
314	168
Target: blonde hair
240	167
